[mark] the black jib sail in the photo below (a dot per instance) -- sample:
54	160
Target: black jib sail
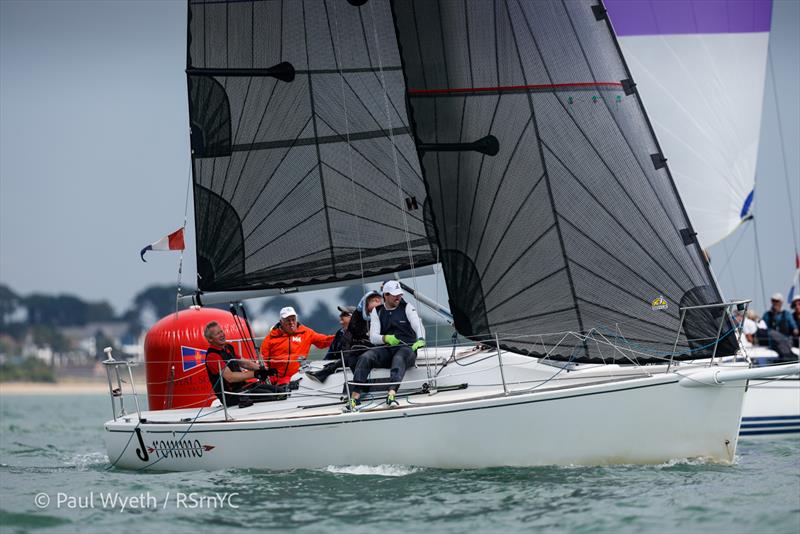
304	169
553	208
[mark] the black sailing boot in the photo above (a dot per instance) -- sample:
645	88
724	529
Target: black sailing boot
322	375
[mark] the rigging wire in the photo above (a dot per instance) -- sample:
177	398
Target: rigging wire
760	269
394	149
185	219
783	151
349	145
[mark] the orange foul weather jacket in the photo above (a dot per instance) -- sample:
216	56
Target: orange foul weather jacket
281	350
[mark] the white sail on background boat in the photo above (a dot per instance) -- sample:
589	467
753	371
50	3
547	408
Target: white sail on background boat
701	68
506	141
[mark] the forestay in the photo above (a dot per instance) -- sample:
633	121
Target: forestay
552	203
304	169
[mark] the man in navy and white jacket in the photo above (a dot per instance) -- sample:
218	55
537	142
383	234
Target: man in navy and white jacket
397	333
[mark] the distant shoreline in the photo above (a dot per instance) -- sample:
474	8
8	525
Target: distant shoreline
76	387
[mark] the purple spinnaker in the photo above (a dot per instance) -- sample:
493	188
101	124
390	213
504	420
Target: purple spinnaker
664	17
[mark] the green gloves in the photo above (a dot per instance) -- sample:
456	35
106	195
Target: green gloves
391	339
418	344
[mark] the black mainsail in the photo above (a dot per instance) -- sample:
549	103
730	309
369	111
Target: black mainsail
303	166
552	204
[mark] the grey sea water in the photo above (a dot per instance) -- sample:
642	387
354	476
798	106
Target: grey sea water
53	445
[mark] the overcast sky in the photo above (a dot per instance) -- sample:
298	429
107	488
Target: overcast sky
94	150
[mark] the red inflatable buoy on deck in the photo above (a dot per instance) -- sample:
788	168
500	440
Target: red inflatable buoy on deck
175	356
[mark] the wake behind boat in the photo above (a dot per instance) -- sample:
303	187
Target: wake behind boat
504	142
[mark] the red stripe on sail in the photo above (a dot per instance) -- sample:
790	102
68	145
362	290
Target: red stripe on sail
501	88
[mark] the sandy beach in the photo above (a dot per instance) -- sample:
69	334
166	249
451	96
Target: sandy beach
67	387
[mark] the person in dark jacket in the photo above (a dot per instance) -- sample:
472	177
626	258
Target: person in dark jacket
239	375
796	317
345	314
354	340
780	329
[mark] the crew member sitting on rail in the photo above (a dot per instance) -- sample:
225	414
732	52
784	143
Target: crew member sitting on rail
235	372
355	339
286	343
397	333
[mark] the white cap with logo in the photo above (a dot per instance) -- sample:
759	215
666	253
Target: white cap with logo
288	311
393	288
777	296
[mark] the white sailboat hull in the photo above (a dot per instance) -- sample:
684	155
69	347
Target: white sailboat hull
630	421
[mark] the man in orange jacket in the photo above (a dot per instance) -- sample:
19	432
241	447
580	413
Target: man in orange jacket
286	343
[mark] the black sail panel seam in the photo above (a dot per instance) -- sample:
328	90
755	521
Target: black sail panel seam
491	125
539	144
371	192
255	134
271	241
607	166
352	256
390	134
509	225
319	155
634	317
381	223
503	177
621	263
627	143
372	163
274	171
366	41
279	202
603	208
699	251
534	316
236	134
521	255
619	287
527	287
447	80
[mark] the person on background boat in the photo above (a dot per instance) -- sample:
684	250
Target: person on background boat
355	340
238	375
796	317
780	328
397	333
753	324
749	324
286	343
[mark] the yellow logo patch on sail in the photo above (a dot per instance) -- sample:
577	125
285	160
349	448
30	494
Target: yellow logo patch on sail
659	303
